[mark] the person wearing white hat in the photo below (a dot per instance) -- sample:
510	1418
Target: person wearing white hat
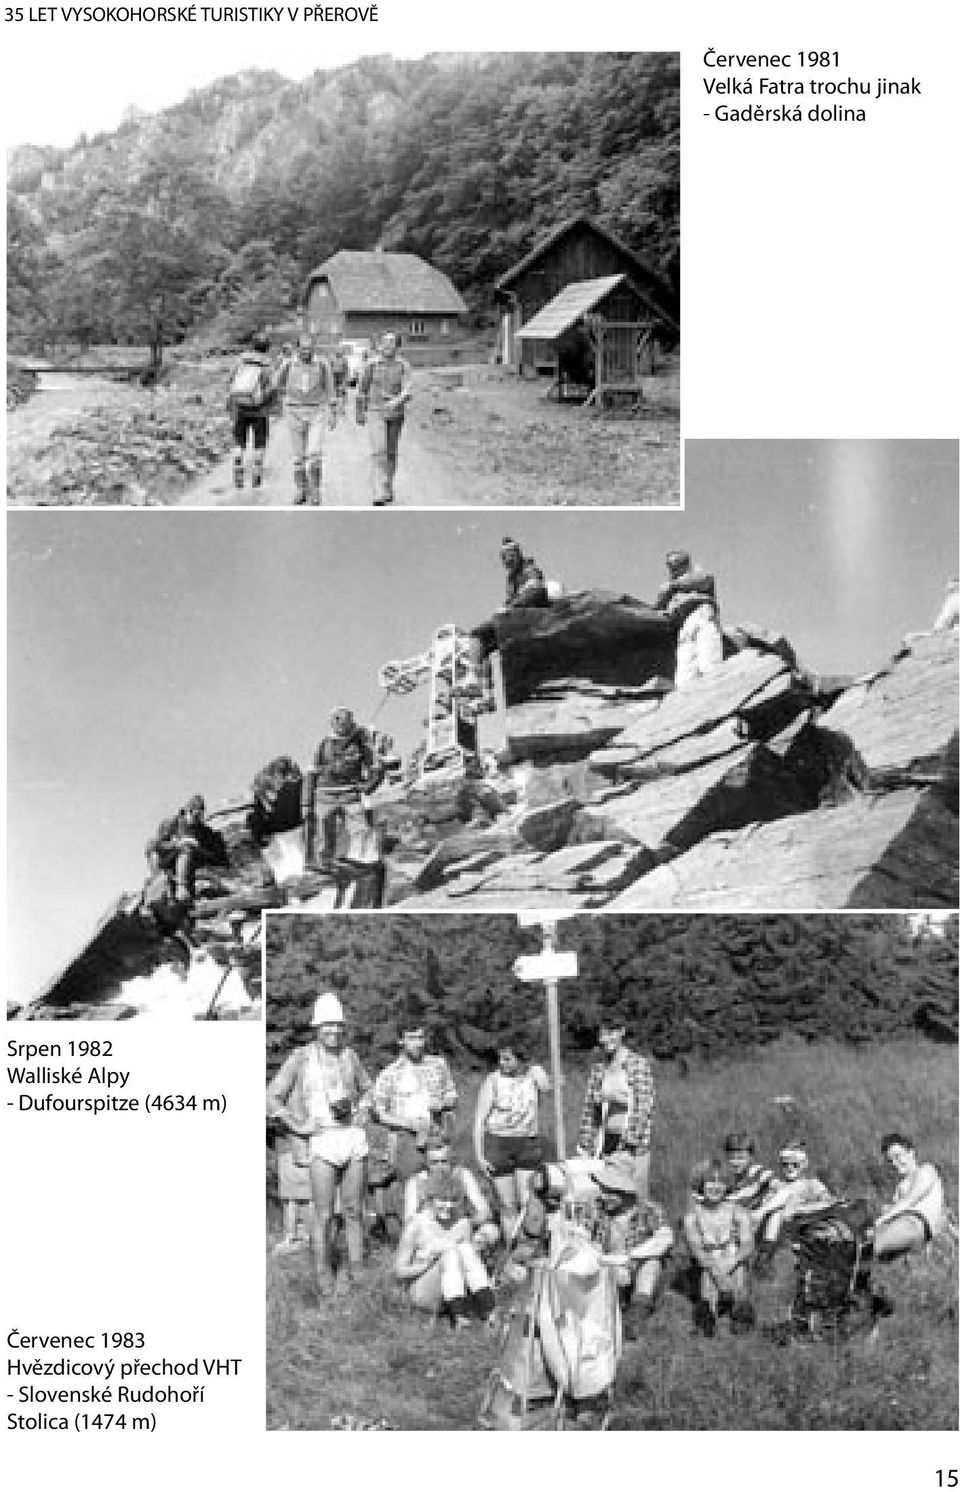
794	1192
322	1093
633	1235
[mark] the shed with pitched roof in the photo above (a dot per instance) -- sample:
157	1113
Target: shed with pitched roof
579	250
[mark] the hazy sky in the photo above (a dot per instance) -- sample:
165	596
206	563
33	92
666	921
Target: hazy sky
154	654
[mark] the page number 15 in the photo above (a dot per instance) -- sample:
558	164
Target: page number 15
948	1478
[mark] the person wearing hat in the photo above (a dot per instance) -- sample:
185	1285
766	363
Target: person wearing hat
506	1130
345	767
719	1236
311	402
632	1235
794	1192
183	844
526	589
383	393
618	1104
321	1093
415	1093
689	598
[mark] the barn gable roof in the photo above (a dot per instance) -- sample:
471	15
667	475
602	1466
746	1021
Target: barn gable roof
641	267
372	280
574	301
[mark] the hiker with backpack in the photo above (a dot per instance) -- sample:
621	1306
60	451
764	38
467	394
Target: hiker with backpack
312	404
618	1105
917	1213
506	1131
321	1093
634	1236
719	1236
383	393
252	392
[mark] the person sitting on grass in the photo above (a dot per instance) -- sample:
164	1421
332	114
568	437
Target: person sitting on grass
634	1236
437	1257
918	1212
749	1184
720	1239
796	1193
441	1178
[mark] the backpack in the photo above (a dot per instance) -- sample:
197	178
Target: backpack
827	1246
250	386
563	1343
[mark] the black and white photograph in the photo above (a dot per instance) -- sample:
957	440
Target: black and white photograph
442	281
541	1172
580	712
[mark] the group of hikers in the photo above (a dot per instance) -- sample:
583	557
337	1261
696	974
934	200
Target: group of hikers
378	1155
311	386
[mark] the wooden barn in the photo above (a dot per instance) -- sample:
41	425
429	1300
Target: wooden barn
578	251
598	334
359	293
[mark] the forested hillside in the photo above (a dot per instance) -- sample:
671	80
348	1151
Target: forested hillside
680	984
225	202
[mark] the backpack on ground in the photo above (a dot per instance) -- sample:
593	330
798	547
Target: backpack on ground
831	1282
563	1343
250	388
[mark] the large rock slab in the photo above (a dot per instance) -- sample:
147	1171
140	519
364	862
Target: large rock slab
903	720
671	813
549	728
896	851
705	704
605	636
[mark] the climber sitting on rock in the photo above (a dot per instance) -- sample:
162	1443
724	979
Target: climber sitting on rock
183	844
345	767
525	588
689	598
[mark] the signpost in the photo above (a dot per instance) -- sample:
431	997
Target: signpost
548	967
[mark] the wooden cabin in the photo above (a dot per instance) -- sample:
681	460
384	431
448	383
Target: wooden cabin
577	251
599	335
362	294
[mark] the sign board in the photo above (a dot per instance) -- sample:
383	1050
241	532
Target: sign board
546	966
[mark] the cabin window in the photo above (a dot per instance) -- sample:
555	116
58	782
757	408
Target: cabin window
444	327
418	328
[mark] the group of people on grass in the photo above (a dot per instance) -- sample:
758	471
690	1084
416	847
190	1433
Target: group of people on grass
384	1145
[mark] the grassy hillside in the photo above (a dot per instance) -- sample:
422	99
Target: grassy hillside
372	1357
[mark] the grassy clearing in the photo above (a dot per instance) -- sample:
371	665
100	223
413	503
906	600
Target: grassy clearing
373	1357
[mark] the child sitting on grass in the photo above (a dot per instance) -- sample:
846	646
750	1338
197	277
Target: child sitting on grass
720	1238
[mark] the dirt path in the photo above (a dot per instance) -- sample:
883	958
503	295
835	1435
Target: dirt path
423	480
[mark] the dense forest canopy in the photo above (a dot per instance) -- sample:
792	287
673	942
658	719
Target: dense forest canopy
224	203
679	984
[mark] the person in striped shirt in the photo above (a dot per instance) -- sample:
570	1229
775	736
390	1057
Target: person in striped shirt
749	1184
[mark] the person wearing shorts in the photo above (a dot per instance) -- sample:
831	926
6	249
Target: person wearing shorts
321	1092
918	1212
506	1131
